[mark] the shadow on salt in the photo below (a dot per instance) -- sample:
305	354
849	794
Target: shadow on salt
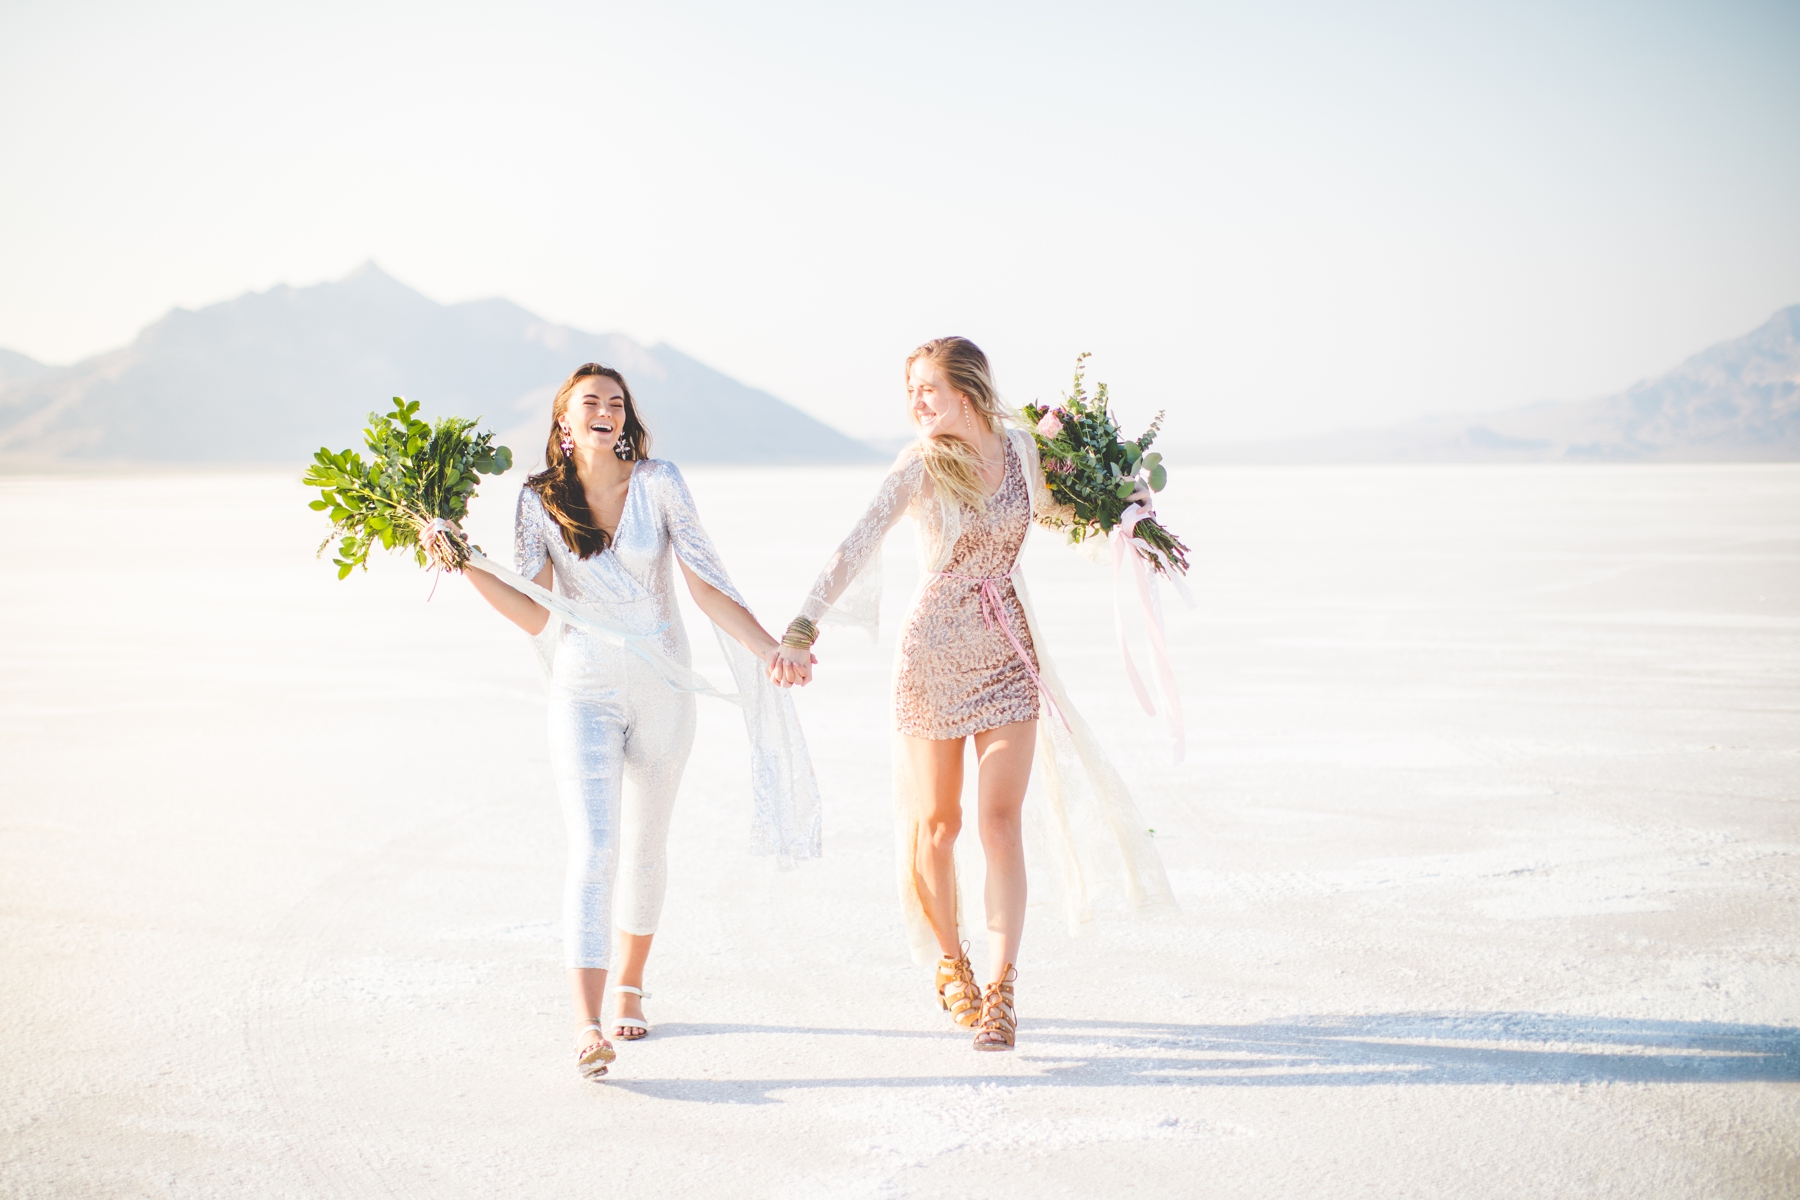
1402	1049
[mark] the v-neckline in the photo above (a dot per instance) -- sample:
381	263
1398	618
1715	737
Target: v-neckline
612	539
1006	462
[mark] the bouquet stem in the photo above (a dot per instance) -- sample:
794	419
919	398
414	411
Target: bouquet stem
1170	548
445	546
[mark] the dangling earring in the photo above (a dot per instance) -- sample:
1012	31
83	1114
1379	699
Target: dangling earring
622	448
967	419
568	441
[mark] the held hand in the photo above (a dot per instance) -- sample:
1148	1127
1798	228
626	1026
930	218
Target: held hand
791	666
779	672
436	545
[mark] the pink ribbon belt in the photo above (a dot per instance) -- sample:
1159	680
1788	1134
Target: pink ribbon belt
993	612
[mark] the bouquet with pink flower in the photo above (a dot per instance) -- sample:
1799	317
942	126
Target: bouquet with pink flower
1094	472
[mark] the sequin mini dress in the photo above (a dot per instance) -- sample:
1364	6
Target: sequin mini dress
972	656
958	672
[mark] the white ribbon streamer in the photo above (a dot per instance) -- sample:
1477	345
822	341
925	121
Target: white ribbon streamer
682	679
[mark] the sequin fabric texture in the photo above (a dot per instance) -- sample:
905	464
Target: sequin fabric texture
957	674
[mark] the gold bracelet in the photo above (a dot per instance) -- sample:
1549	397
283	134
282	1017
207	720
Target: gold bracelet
801	634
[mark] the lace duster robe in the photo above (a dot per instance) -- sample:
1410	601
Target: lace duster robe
1080	816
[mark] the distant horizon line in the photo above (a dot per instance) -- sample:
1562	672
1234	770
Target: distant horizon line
884	438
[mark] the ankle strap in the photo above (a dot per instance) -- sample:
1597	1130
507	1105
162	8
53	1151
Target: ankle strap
640	993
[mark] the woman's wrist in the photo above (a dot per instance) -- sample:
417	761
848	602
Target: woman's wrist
801	634
760	642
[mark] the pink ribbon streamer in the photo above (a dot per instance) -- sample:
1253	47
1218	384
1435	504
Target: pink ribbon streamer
993	612
1125	544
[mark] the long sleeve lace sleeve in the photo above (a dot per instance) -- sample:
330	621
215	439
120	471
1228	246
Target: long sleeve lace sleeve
848	590
529	521
688	537
785	814
1044	508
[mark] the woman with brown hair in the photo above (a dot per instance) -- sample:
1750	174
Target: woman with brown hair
599	532
971	665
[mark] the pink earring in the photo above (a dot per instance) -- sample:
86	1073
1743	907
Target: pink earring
568	441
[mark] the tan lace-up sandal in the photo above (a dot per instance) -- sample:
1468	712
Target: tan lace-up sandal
592	1058
957	993
999	1022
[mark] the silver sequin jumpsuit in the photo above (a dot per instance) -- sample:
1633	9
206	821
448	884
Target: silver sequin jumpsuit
619	735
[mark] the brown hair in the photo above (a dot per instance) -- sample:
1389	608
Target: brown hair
951	461
559	487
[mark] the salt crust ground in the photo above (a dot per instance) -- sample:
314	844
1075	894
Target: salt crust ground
1487	849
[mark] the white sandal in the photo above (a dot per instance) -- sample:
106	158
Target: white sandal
591	1060
622	1026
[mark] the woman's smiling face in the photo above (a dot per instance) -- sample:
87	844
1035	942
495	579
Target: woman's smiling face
594	416
936	406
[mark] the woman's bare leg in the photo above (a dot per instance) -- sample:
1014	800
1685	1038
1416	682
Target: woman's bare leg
635	948
586	987
937	767
1003	756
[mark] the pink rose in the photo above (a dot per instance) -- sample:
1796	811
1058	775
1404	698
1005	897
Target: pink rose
1049	426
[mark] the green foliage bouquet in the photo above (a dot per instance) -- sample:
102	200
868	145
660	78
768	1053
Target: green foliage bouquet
412	491
1094	471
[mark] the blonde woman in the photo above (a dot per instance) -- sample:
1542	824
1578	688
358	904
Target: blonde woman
605	525
971	665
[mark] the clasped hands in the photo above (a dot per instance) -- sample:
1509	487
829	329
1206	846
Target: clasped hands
791	666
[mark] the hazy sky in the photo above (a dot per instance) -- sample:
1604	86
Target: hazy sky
1267	218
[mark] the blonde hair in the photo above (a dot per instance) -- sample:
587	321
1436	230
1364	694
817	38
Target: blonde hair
953	463
558	486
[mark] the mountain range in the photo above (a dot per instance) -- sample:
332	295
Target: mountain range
272	376
17	368
1738	401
